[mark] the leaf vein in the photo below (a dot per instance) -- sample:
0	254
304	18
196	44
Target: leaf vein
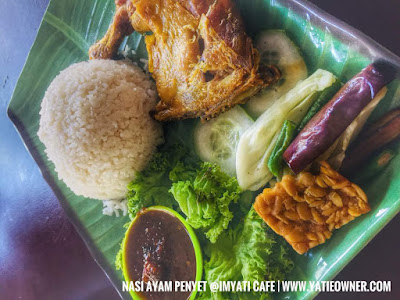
68	31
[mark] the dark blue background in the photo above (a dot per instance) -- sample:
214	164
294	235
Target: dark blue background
41	255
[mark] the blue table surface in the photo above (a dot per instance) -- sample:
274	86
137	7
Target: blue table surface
42	256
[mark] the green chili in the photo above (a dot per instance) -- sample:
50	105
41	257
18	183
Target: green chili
323	98
284	139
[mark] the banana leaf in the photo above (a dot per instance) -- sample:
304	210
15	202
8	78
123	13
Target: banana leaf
64	37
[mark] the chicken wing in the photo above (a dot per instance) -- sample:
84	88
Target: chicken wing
199	54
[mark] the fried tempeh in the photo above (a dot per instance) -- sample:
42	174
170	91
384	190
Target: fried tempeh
305	209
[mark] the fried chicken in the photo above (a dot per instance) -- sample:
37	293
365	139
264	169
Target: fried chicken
199	54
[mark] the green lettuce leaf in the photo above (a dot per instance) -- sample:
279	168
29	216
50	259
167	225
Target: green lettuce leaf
151	186
249	252
204	194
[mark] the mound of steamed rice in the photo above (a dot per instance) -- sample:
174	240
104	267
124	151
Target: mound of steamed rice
96	127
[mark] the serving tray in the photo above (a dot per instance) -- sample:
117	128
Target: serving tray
64	37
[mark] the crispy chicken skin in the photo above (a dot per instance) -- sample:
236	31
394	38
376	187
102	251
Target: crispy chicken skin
199	54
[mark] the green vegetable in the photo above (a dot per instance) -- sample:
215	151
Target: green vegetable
118	259
151	186
284	139
204	195
174	178
249	252
256	144
323	98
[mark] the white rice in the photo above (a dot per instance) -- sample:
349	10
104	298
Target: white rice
145	63
126	51
96	128
116	207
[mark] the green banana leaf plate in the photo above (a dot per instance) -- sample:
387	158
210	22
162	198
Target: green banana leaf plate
70	27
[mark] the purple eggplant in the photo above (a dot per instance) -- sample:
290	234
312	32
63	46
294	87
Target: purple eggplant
333	119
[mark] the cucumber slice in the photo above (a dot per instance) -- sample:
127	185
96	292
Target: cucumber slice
276	48
216	140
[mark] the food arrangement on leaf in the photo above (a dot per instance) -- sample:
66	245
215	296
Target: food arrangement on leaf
230	155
